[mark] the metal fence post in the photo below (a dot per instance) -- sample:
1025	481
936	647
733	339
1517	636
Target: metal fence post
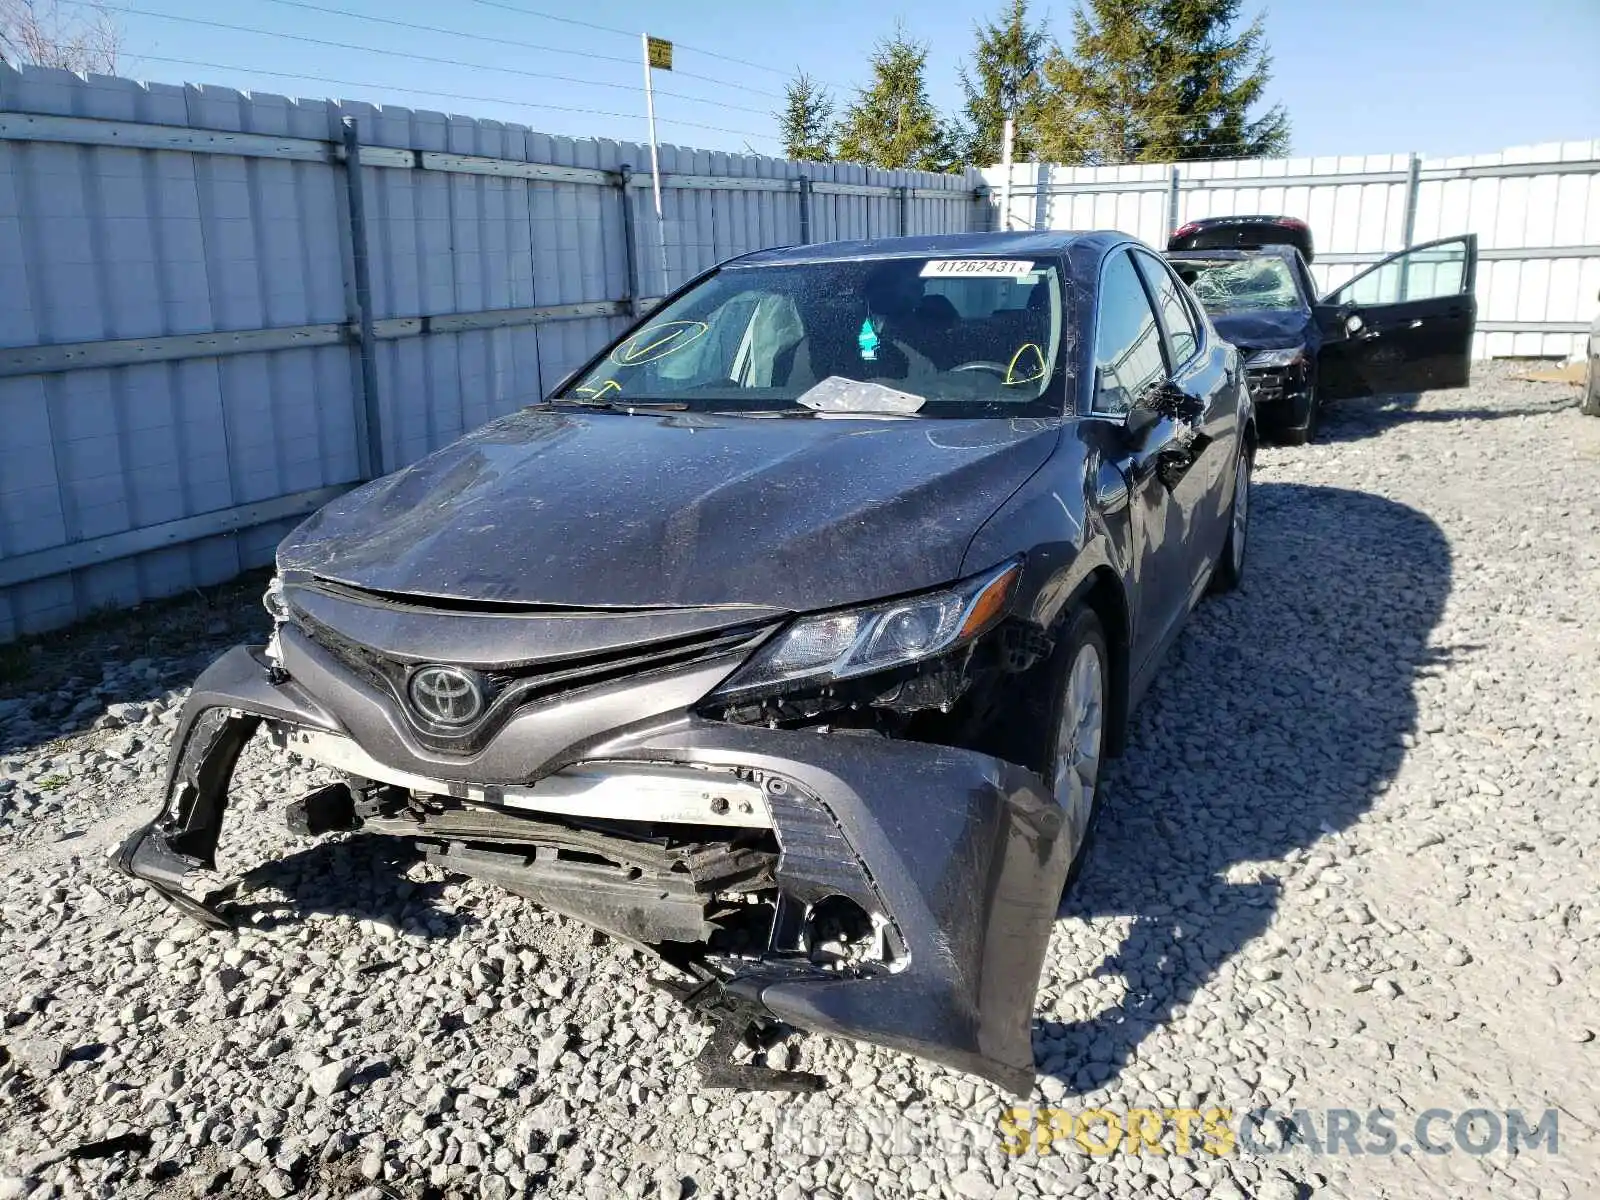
369	420
1041	195
904	194
1172	200
630	243
1413	185
1408	229
805	210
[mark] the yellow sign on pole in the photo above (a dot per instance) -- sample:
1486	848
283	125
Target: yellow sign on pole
660	53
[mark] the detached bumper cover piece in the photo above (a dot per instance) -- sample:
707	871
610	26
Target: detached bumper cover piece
964	854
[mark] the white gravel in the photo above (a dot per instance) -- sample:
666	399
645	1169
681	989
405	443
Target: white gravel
1350	861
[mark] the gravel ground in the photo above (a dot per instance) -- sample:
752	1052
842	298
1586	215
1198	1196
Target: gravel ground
1349	862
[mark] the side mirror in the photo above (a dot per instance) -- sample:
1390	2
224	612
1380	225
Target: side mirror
1338	321
1169	400
1165	401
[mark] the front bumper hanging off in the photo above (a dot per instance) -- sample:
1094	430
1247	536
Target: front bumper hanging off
963	854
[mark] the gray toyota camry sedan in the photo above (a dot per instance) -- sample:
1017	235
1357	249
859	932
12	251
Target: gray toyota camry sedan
786	639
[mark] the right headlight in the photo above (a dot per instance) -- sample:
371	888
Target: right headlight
858	641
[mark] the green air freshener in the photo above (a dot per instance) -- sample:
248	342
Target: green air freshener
867	339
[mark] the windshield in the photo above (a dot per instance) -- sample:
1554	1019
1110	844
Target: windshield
938	337
1241	284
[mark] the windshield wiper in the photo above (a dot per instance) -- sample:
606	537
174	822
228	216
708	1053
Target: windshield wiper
763	412
621	406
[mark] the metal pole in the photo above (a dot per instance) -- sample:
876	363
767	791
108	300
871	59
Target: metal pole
1408	231
905	210
369	419
630	240
805	210
1172	200
1041	195
655	160
1006	139
1413	183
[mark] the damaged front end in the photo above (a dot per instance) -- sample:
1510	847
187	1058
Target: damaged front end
793	826
1280	382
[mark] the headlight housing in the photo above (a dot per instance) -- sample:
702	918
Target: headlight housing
1269	359
825	647
278	609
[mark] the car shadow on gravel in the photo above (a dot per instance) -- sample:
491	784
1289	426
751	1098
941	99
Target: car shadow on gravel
59	684
1278	718
362	879
1354	420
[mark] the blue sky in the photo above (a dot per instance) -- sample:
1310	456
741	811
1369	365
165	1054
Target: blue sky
1357	76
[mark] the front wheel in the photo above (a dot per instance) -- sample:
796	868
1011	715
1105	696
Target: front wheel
1078	723
1230	566
1305	413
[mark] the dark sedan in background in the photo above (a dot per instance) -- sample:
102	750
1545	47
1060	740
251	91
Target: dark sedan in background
786	640
1404	324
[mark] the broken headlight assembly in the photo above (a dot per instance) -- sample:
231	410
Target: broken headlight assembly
828	647
277	606
1271	360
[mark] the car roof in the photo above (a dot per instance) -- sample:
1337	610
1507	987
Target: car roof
1239	218
1045	242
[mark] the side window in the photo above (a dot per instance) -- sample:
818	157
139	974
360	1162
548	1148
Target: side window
1183	337
1127	340
1439	269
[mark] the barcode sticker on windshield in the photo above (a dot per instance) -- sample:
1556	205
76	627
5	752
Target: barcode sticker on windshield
974	268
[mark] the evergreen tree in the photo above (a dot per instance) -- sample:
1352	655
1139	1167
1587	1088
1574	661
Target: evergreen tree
807	120
892	123
1004	81
1157	81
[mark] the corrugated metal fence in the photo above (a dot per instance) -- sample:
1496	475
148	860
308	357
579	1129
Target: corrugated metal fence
206	331
1536	211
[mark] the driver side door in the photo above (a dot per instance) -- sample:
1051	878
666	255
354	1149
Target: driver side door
1405	324
1130	366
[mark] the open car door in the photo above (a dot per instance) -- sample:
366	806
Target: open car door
1404	324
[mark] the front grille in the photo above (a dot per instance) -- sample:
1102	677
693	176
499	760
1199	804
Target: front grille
1267	384
513	688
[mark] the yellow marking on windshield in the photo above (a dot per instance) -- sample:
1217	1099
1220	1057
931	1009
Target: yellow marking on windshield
610	385
666	338
1012	377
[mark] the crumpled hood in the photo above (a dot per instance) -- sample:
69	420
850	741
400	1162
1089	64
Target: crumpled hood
607	510
1273	329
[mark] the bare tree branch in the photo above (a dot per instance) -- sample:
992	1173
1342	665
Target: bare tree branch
39	33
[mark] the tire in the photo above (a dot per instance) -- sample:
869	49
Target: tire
1589	406
1301	426
1229	571
1079	713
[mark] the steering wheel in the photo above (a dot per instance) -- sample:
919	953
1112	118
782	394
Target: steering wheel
996	368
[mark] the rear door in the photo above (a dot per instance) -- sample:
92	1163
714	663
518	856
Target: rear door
1404	324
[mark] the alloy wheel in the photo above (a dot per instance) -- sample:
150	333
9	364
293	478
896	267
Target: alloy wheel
1241	510
1080	738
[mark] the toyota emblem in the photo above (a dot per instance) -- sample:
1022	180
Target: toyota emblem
446	695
